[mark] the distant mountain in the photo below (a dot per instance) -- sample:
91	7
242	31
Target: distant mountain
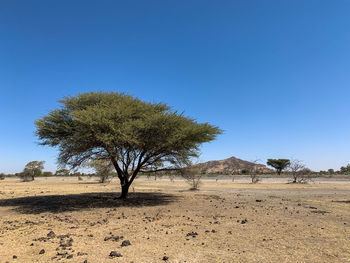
230	165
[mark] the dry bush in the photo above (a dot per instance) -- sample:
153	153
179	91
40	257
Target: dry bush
300	174
254	173
304	176
193	176
255	178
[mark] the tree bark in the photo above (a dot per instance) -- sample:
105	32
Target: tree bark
125	191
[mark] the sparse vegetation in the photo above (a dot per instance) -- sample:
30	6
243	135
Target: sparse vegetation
296	168
103	169
193	176
254	173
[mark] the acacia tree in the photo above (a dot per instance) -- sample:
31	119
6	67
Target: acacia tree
278	164
135	136
32	169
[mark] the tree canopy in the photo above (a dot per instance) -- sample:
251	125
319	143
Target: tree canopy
278	164
135	136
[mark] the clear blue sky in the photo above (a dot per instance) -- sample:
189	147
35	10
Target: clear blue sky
275	75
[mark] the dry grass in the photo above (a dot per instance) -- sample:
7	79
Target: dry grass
223	222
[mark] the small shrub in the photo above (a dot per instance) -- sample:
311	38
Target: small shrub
193	176
26	177
255	178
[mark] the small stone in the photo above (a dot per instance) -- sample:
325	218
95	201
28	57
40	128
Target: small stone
42	251
114	254
70	256
14	256
192	234
125	243
165	258
51	234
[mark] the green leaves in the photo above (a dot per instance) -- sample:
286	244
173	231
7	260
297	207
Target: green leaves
133	134
278	164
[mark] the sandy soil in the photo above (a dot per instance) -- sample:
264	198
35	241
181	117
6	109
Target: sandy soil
66	220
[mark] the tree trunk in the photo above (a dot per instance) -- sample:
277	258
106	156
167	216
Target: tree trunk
125	190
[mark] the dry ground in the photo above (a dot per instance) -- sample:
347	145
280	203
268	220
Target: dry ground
223	222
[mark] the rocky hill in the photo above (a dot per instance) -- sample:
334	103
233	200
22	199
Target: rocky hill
231	165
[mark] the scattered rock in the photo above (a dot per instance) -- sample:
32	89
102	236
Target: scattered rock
244	221
165	258
14	256
42	252
114	254
113	238
125	243
51	234
192	234
320	212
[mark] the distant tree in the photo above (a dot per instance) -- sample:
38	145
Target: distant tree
2	176
295	168
135	136
331	171
345	169
76	174
278	164
62	172
103	169
32	170
47	174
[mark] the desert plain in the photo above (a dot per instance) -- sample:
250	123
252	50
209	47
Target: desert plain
67	220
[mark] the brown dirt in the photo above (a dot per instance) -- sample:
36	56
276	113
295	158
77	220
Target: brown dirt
223	222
